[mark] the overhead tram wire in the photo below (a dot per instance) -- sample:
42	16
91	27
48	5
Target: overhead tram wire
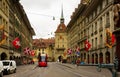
53	17
37	30
42	15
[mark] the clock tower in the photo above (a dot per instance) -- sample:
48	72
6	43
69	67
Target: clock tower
61	40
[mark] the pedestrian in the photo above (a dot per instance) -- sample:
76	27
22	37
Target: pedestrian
78	61
57	60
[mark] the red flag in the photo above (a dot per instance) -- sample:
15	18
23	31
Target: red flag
78	49
110	38
87	45
69	51
16	43
26	50
32	53
113	39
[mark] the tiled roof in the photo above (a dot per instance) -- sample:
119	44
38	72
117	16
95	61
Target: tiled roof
36	42
43	42
61	28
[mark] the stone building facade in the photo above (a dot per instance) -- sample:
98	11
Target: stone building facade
44	46
4	21
89	22
16	24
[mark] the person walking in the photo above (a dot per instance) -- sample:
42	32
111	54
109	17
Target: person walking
78	61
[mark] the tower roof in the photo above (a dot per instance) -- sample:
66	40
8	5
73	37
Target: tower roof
62	17
61	27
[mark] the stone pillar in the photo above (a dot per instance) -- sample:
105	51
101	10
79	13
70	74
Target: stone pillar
104	57
90	58
94	58
98	57
86	61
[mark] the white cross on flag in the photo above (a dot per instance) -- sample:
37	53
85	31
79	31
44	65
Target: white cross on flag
32	53
16	43
26	50
69	51
87	45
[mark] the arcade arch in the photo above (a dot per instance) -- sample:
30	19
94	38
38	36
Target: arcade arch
3	56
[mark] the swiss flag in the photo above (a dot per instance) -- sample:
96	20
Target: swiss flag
16	43
69	51
87	45
26	50
32	53
78	49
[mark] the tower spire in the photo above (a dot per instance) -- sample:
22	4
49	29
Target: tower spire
62	17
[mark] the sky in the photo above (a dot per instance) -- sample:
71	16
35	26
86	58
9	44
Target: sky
41	12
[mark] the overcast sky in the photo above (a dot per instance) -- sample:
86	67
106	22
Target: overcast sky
41	12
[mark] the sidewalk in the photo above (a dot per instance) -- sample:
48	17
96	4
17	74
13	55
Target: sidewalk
89	71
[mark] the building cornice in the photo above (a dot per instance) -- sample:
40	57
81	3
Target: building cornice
83	11
91	7
76	14
25	18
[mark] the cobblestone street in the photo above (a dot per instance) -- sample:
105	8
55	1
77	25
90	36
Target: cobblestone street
58	70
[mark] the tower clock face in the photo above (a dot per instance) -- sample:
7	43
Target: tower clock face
60	27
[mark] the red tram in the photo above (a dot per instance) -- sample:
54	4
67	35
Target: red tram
42	60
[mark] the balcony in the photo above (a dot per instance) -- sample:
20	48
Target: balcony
93	48
4	46
82	49
82	39
101	46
